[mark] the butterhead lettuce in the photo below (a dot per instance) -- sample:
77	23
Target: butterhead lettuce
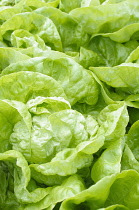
69	105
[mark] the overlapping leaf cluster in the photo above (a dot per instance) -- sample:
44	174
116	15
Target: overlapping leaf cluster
69	104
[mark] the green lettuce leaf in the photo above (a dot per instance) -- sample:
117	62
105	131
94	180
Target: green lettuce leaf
88	17
108	191
7	199
7	12
123	77
69	188
65	6
125	34
9	55
49	131
65	163
8	110
22	178
47	105
22	86
32	5
113	120
71	32
69	104
133	57
35	23
117	207
22	38
132	139
109	162
90	58
67	72
104	47
128	160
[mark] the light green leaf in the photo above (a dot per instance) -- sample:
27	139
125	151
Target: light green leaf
71	32
67	72
128	160
49	105
69	188
133	57
125	190
110	53
90	58
132	139
113	120
117	207
116	189
49	131
22	178
65	163
7	12
9	55
7	121
23	86
109	162
129	32
23	39
66	6
124	77
35	23
88	17
34	4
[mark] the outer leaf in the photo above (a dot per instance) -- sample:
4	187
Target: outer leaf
104	48
22	38
71	32
22	178
117	207
113	120
124	76
49	105
90	58
65	163
7	12
92	24
133	57
7	199
133	139
34	4
36	23
71	77
67	72
125	190
23	86
109	162
128	160
8	110
115	189
129	32
8	56
65	6
69	188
